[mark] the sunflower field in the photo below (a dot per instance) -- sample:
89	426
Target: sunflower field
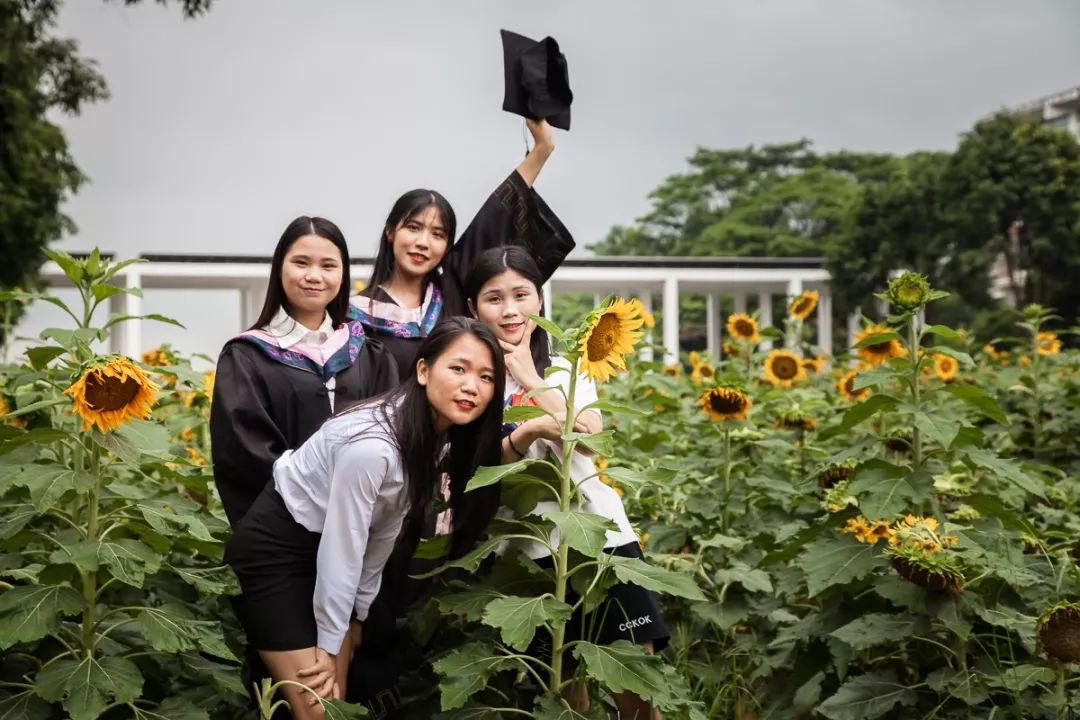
888	533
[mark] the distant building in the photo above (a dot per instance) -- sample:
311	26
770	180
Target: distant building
1061	110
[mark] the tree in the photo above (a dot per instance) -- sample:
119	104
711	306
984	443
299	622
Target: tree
1013	191
40	75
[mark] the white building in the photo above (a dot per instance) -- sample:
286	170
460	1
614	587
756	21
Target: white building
1061	110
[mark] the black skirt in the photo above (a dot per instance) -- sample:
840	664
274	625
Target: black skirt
628	612
274	558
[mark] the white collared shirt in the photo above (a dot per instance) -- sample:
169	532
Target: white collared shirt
346	483
288	332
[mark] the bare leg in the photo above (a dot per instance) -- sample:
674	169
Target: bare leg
634	707
286	665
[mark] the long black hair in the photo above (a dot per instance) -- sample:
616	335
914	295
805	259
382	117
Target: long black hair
406	208
275	292
496	261
469	446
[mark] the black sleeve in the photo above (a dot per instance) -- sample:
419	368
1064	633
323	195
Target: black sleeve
245	440
514	214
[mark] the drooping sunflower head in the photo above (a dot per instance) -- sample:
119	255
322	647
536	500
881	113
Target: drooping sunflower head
909	292
795	419
608	334
725	403
1047	343
784	368
945	366
111	392
846	387
803	305
1059	632
673	370
17	421
730	350
743	327
877	353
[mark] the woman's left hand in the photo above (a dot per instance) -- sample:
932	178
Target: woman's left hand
519	359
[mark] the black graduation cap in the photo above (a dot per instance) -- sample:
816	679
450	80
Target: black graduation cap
537	84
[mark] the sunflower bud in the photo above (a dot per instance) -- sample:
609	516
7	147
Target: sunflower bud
908	292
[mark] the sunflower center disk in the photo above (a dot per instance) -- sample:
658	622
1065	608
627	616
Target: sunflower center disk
603	338
744	328
785	368
725	404
110	393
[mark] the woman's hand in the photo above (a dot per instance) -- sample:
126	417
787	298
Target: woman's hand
519	359
320	677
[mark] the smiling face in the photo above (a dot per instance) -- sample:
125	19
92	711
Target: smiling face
419	243
311	275
460	382
504	303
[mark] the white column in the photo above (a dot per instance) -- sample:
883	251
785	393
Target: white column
739	300
671	320
251	301
645	295
853	326
712	325
824	321
549	300
794	290
126	337
765	314
596	298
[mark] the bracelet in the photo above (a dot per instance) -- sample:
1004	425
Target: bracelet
510	439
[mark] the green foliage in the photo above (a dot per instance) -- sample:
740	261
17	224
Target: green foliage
112	544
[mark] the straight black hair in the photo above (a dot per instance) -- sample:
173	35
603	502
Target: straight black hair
469	446
406	208
496	261
275	292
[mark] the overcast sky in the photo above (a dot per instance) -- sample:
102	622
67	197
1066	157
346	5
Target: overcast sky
222	129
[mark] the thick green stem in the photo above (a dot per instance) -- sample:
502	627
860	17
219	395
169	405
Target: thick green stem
1036	418
562	557
727	478
89	578
916	435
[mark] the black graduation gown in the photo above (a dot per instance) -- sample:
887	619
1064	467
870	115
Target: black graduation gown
262	407
514	214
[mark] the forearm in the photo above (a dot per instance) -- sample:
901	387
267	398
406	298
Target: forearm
517	443
530	167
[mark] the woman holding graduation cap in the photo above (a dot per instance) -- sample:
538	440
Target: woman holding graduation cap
419	268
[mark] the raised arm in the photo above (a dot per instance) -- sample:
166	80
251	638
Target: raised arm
543	146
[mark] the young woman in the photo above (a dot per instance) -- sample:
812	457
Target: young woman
310	552
419	269
278	381
503	289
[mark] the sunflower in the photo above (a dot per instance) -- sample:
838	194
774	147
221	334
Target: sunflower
17	421
945	366
110	394
725	403
796	420
187	435
1047	343
156	358
609	334
991	352
208	382
878	352
695	358
358	286
1059	633
673	370
846	387
815	365
743	327
858	527
702	374
802	306
784	368
646	316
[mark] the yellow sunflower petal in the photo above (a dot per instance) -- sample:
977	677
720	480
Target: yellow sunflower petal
110	394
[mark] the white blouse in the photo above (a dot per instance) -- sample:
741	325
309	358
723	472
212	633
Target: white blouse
346	482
